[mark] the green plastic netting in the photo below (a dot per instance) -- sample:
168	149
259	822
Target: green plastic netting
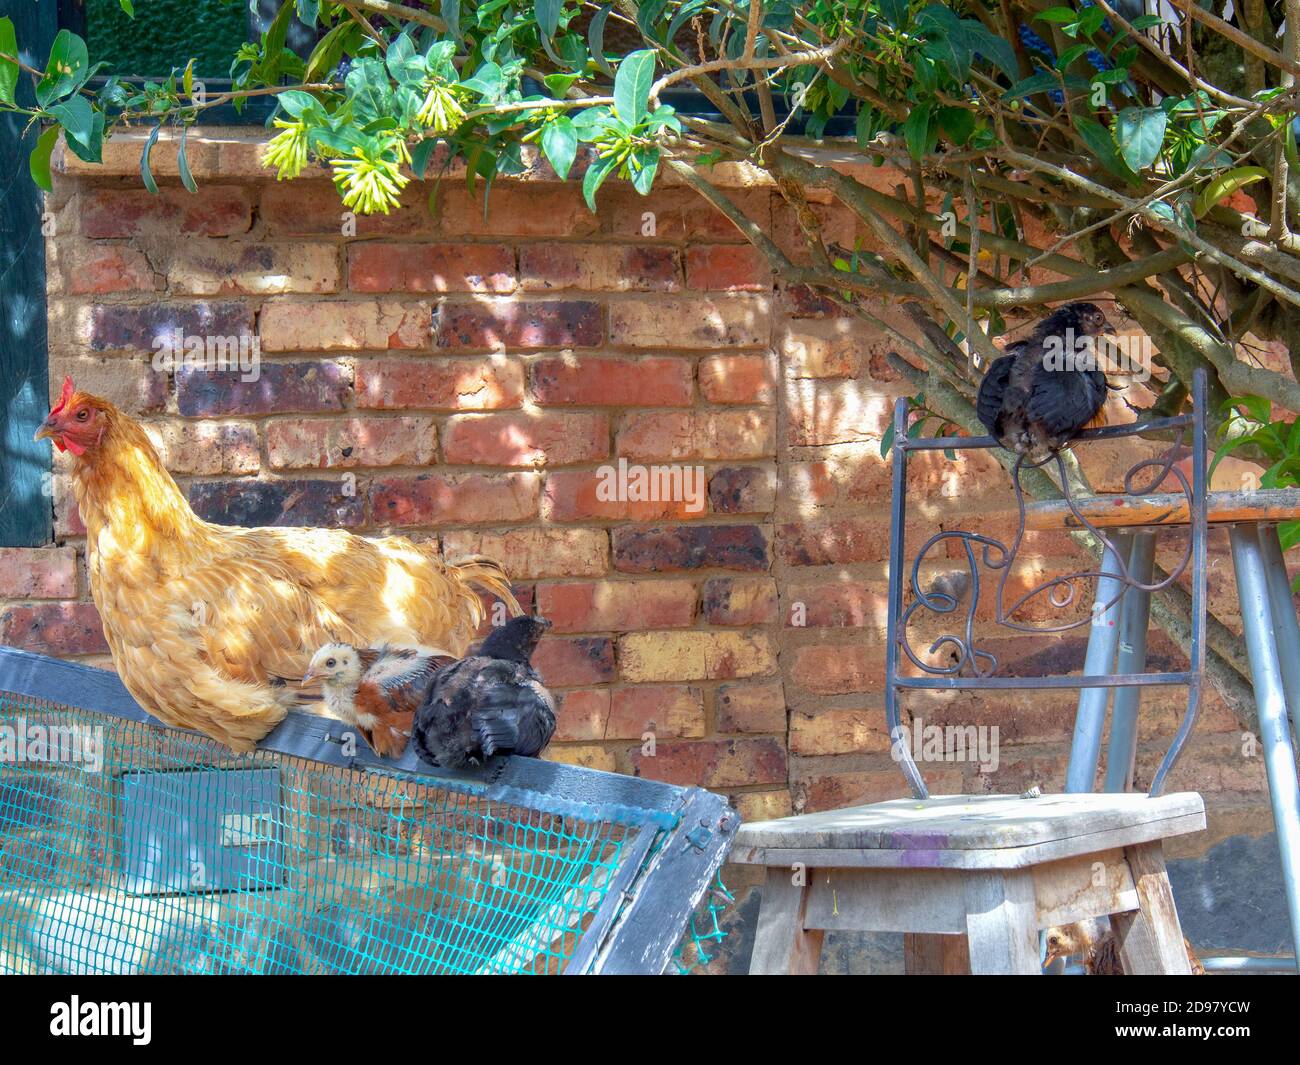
128	848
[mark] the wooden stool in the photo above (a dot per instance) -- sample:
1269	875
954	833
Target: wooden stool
970	879
1272	634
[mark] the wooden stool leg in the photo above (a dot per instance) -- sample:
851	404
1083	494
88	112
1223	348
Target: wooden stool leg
1150	938
782	946
1001	922
935	954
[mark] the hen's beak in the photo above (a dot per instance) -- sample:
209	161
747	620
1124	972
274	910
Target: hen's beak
46	432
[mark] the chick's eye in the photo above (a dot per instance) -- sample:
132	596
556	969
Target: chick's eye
329	663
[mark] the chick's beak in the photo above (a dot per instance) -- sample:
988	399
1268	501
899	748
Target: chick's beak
1109	330
309	676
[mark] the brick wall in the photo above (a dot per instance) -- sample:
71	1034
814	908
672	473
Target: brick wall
462	377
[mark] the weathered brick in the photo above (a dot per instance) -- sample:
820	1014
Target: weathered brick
834	791
597	267
592	495
522	211
801	301
528	554
762	805
672	710
94	269
827	542
831	669
676	322
131	385
815	351
222	267
593	381
280	387
617	606
582	714
548	438
38	572
438	499
574	662
440	384
666	656
736	379
295	443
589	756
714	763
743	490
677	214
219	211
836	604
687	547
146	327
837	731
678	435
812	483
751	707
739	601
823	413
352	326
313	208
54	629
206	448
732	267
376	267
254	503
521	324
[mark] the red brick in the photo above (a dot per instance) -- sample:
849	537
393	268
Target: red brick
824	413
313	208
678	214
440	383
736	379
739	601
528	554
525	439
597	267
833	669
691	654
593	381
293	443
38	572
714	763
751	708
375	267
834	791
522	211
678	435
743	490
671	710
219	211
101	268
828	542
664	548
836	604
358	325
54	629
734	267
439	499
681	322
617	606
575	662
576	495
836	731
521	324
582	715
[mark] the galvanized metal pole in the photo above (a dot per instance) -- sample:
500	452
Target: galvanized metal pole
1285	627
1103	638
1279	756
1135	618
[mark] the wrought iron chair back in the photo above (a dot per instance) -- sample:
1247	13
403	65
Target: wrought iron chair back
1124	571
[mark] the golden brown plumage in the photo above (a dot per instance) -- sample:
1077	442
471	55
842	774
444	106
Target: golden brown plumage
203	620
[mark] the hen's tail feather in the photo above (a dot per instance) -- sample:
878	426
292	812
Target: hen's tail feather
488	575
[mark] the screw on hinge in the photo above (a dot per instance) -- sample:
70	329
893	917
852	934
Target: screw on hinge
698	837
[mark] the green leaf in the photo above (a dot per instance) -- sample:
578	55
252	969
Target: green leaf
887	440
8	67
128	7
451	16
647	17
67	68
594	178
183	164
488	81
77	118
560	145
957	122
39	161
1043	81
308	11
1146	22
895	12
1058	14
559	84
328	51
1140	132
644	163
547	14
920	132
146	175
596	40
1224	185
1097	137
632	86
420	156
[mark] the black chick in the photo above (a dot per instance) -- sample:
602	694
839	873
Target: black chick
1048	387
489	703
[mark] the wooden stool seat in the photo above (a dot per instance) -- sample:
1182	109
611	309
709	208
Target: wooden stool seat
1165	508
970	879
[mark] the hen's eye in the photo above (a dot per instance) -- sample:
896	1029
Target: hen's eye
82	414
329	663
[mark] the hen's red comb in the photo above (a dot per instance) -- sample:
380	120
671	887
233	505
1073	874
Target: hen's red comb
65	396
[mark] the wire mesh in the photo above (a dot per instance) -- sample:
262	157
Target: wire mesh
130	848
